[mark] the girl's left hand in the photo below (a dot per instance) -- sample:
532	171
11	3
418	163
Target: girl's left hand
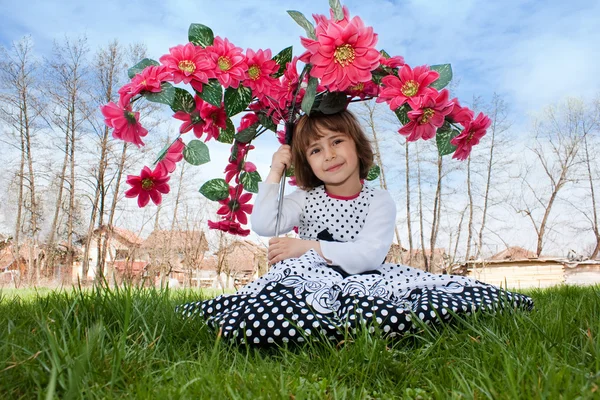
282	248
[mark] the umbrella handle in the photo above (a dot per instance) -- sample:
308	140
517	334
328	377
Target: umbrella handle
280	202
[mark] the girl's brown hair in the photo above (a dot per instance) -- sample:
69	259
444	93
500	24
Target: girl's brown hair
308	129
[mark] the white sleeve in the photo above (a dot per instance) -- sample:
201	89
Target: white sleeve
264	212
371	245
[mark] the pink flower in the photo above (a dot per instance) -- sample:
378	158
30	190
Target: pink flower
230	62
214	118
234	169
247	121
149	185
292	181
459	114
230	227
235	207
124	122
470	136
344	53
172	157
428	117
363	90
189	64
392	62
281	137
260	69
409	86
239	150
288	86
149	80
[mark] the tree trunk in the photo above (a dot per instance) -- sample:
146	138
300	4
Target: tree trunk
423	255
408	216
437	205
470	223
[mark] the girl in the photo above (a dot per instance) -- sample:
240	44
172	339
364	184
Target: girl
333	277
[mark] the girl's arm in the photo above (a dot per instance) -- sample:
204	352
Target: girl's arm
372	244
264	213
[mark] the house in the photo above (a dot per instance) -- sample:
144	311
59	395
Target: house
518	268
14	267
176	254
123	248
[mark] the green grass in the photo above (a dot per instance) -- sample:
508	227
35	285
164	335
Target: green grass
128	343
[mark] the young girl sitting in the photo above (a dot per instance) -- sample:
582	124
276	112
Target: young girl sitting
333	278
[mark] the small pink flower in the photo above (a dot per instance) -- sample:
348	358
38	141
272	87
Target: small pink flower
392	62
459	114
408	87
172	157
288	85
428	117
235	207
292	181
363	90
470	136
281	137
189	64
230	62
214	118
260	69
125	123
230	227
192	120
247	121
148	185
149	80
343	54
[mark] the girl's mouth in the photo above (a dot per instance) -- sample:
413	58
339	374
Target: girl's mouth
334	168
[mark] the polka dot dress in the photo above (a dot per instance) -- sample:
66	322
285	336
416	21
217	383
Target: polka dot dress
304	298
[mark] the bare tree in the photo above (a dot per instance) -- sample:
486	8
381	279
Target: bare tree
20	107
557	140
408	216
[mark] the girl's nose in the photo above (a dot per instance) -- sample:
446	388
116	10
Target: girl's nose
329	154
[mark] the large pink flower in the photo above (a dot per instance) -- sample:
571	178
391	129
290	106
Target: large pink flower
344	53
230	62
125	123
172	157
470	136
234	207
214	118
148	185
230	227
392	62
408	87
428	117
189	64
260	69
149	80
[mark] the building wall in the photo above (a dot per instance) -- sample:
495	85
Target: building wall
583	275
520	276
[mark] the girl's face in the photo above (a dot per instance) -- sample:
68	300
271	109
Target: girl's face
333	159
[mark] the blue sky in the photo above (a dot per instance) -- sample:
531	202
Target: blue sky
533	53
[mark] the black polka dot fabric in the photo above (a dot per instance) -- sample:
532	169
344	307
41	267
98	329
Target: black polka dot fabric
303	298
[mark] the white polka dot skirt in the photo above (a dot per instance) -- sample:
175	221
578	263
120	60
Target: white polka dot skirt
304	299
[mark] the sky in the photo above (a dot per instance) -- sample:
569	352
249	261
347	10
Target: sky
533	53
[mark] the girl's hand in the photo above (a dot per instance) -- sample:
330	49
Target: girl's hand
281	159
282	248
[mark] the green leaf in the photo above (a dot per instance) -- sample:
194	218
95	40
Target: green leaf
337	9
267	122
196	153
384	53
402	113
226	135
373	172
247	134
289	171
304	23
282	58
250	181
215	189
162	153
236	100
333	102
200	35
165	96
183	101
234	153
139	67
443	137
445	71
212	92
309	95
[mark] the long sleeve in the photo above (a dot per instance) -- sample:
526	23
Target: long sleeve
264	213
372	244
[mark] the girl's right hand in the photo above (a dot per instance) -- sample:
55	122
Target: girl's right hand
281	159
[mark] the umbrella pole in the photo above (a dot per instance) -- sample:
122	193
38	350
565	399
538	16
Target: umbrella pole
289	130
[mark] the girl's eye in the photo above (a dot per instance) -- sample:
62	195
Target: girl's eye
337	141
314	151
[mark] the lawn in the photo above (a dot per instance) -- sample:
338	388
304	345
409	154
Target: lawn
128	343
